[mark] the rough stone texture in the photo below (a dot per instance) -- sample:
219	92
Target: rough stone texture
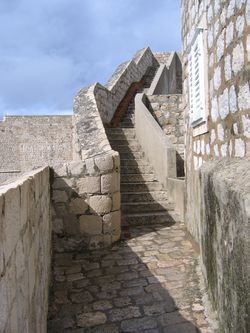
29	142
225	240
168	111
83	199
228	90
25	252
228	97
146	283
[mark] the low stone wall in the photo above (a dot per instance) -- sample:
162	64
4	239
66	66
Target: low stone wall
86	203
169	113
154	143
225	240
25	252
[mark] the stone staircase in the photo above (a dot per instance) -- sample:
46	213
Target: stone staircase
143	199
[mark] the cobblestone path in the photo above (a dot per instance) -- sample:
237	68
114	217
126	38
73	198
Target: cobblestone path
146	283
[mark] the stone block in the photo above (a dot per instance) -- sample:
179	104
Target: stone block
104	163
90	165
240	148
78	206
224	104
116	201
100	204
60	170
244	97
112	223
82	186
93	184
59	196
238	58
76	168
91	319
70	224
57	226
90	224
110	182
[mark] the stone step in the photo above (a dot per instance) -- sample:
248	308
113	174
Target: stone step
148	218
127	125
123	142
120	136
140	187
137	178
118	130
146	207
125	169
129	117
132	155
138	162
127	148
144	196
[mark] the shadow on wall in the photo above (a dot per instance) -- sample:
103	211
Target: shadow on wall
180	166
124	288
86	203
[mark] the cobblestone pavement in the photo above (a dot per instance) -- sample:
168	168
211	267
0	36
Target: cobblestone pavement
147	283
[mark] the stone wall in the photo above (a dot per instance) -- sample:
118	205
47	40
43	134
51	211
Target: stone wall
227	131
168	111
225	240
25	252
86	203
32	141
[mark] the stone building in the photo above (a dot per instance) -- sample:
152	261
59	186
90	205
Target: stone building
158	153
216	79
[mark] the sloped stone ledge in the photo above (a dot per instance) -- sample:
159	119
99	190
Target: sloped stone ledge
96	105
25	252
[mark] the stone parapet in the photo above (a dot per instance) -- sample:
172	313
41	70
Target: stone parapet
86	202
96	105
25	252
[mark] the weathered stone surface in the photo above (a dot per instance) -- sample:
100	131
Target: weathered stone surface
115	282
124	313
112	223
78	206
100	204
136	325
91	319
93	185
90	224
76	169
110	183
116	201
59	196
104	163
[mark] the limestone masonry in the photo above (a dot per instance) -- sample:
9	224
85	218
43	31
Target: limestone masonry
133	214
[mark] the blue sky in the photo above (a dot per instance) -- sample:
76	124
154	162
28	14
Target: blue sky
52	48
